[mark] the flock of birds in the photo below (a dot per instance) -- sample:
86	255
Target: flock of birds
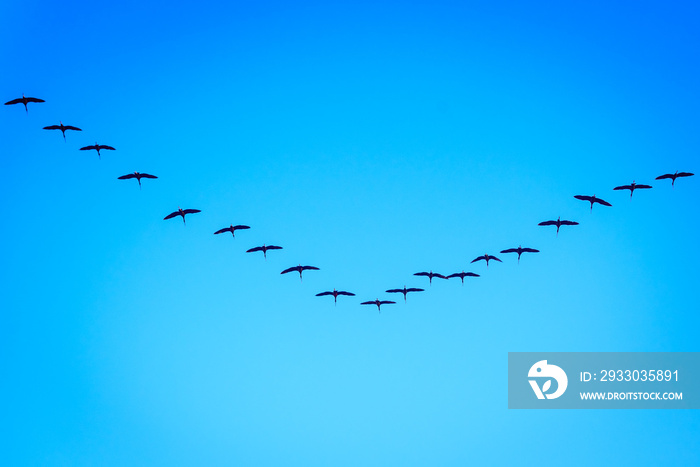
300	269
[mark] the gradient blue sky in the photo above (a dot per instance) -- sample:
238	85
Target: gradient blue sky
372	140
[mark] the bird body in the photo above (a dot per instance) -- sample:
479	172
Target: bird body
232	229
138	176
63	128
592	199
98	147
486	258
300	269
335	294
558	223
25	101
404	291
520	250
674	176
633	186
264	249
462	275
181	212
379	303
430	275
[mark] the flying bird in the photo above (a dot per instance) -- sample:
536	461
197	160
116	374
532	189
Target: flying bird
138	176
232	229
462	275
592	199
520	250
430	275
335	294
63	128
486	258
674	176
264	249
25	101
404	291
379	303
181	212
558	223
632	187
98	147
300	269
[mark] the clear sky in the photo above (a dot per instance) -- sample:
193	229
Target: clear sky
372	140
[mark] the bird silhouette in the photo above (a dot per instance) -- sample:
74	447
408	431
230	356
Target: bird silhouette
335	294
138	176
674	176
430	275
63	128
404	291
181	212
264	249
462	275
486	258
520	250
592	199
232	229
300	269
632	187
379	303
558	223
25	101
98	147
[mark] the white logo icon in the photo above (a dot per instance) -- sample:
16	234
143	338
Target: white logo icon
542	370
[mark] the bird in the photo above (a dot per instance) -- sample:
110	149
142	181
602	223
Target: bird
138	176
430	275
300	269
486	258
592	199
462	275
98	147
63	128
404	291
379	303
558	223
632	187
264	249
674	176
232	229
181	212
335	294
25	101
520	250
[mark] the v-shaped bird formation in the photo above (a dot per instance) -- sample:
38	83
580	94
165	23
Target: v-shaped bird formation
300	269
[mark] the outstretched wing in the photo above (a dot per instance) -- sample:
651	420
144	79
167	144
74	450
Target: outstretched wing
583	198
624	187
684	174
495	259
87	148
69	127
191	211
394	291
33	99
530	250
257	248
664	176
171	215
126	177
227	229
643	186
479	259
240	227
349	294
415	290
14	101
147	176
274	247
52	127
421	274
471	274
312	268
386	302
569	223
548	223
510	250
103	146
457	274
295	268
368	303
324	293
601	201
435	274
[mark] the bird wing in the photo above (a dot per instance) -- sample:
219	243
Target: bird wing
324	293
471	274
530	250
126	177
257	248
14	101
227	229
479	258
421	274
457	274
295	268
368	303
583	197
435	274
684	174
103	146
349	294
274	247
394	291
240	227
69	127
52	127
643	186
496	259
548	223
191	211
147	176
510	250
312	268
623	187
87	148
171	215
34	99
386	302
569	223
415	290
661	177
601	201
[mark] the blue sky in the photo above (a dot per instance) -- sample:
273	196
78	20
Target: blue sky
372	140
